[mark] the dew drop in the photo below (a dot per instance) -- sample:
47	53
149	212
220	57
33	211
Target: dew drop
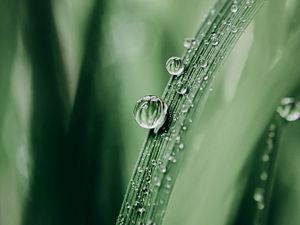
163	169
264	176
203	63
172	159
205	77
233	29
214	39
234	8
175	66
141	210
181	146
182	89
185	108
168	178
258	195
150	222
189	42
265	158
289	109
150	112
260	205
156	182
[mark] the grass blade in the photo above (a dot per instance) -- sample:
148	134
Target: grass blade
157	168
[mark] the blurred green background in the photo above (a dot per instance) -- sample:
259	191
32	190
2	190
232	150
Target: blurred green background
70	74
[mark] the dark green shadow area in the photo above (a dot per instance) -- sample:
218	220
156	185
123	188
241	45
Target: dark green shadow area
76	177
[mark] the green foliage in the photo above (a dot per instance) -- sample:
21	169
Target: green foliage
70	74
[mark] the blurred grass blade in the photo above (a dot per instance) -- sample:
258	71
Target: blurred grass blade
47	201
94	139
8	41
255	205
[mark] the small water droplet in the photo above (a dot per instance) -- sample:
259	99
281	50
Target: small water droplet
264	176
175	66
289	109
172	159
189	42
214	39
258	195
234	8
260	205
182	89
233	29
203	63
205	77
168	186
181	146
156	182
141	210
150	112
265	158
150	222
168	178
185	108
163	169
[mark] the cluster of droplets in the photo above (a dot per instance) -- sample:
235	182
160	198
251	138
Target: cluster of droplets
266	163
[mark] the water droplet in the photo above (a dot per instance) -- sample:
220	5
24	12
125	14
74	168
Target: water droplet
233	29
181	146
157	182
150	222
182	89
141	210
168	186
265	158
168	178
172	159
258	195
150	112
234	8
163	169
205	77
185	108
264	176
214	39
289	109
203	63
260	205
189	42
175	66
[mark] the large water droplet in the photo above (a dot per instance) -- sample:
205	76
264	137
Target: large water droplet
175	66
189	42
150	112
289	109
